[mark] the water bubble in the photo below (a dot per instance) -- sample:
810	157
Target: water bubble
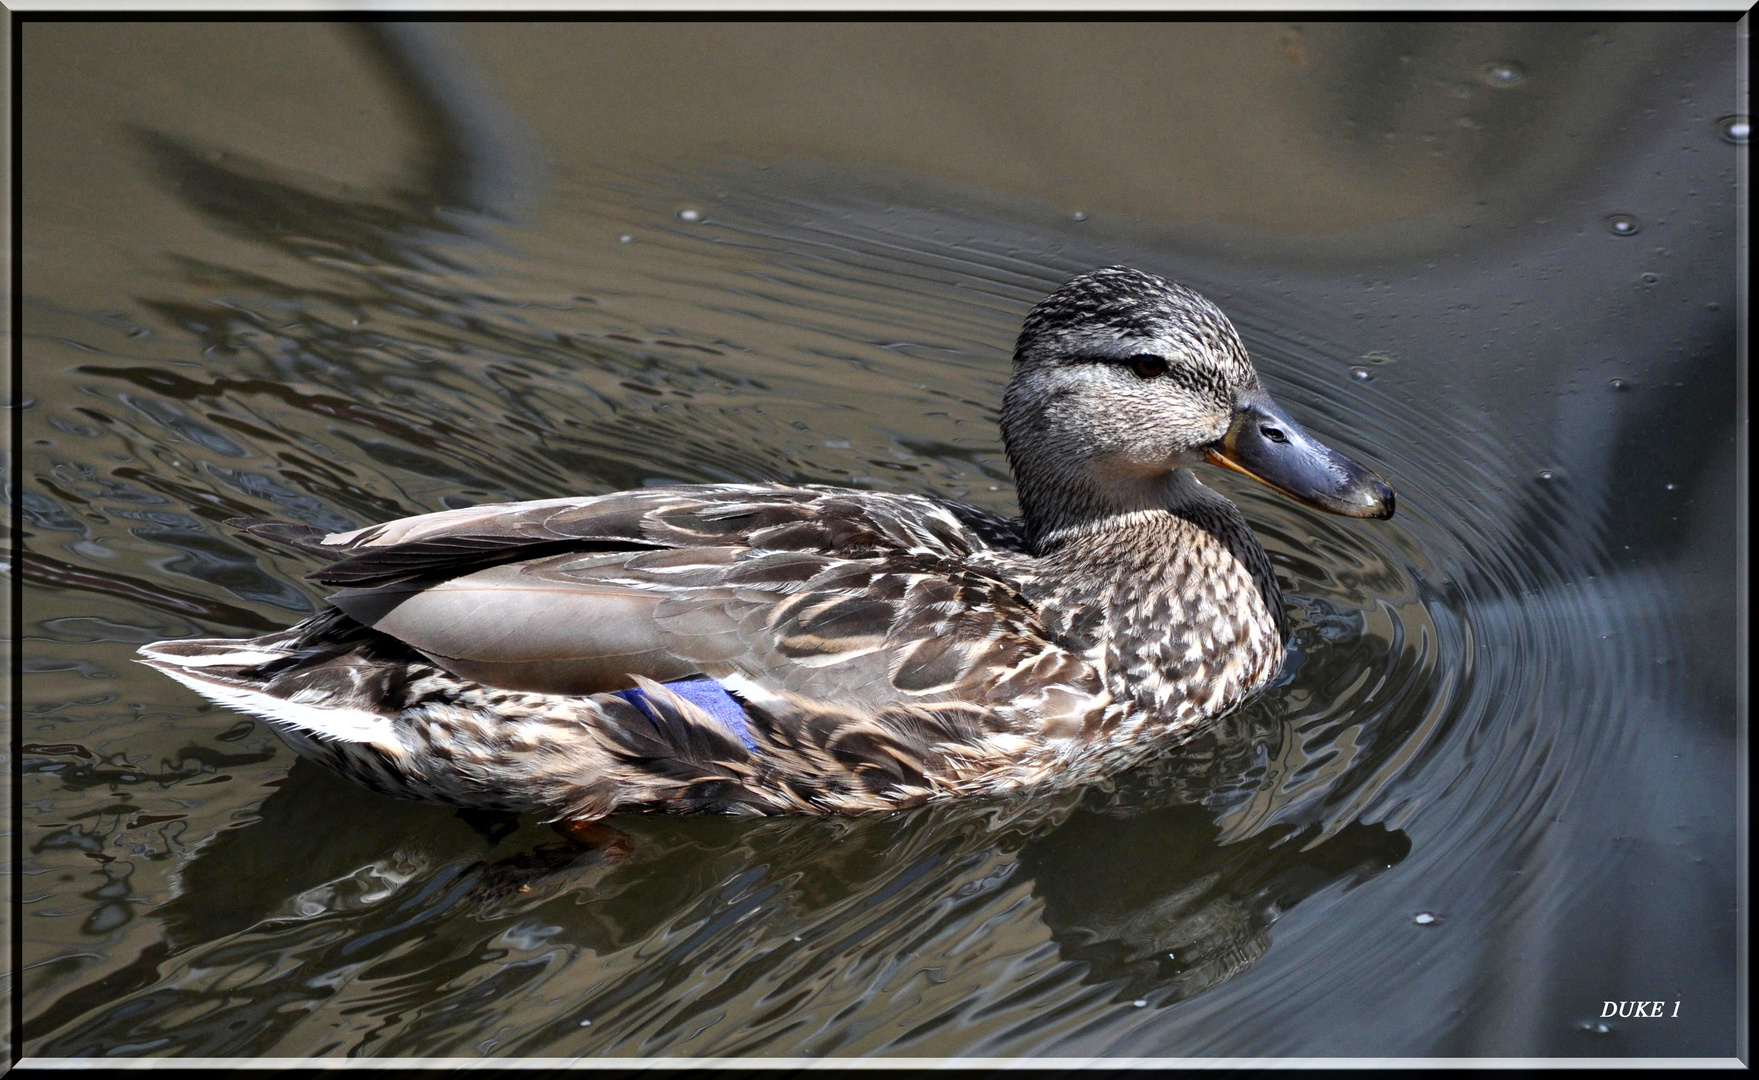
1140	1002
1425	918
586	1023
1361	374
1620	384
1502	73
1649	278
1735	128
1380	358
625	239
1079	215
1670	487
1623	225
1596	1027
1547	475
691	216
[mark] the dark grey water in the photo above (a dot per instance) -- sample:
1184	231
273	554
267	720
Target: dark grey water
314	273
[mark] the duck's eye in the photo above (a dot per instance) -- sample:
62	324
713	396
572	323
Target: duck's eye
1273	434
1147	366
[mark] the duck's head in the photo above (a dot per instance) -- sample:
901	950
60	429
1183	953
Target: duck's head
1121	377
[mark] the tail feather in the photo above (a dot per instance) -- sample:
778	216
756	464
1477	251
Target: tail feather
325	698
306	538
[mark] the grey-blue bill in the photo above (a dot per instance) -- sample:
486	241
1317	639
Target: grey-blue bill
1265	444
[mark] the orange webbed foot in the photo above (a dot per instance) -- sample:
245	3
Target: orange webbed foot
595	833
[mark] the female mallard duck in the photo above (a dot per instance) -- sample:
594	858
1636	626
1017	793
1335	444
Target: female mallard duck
749	648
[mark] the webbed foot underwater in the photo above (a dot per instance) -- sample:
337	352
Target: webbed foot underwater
769	649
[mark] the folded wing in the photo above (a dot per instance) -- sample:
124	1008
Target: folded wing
794	597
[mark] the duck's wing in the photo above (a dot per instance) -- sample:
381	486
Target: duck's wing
805	600
801	518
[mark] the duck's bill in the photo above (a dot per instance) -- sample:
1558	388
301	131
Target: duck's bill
1266	445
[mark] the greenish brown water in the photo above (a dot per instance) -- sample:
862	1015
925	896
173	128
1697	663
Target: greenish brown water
339	275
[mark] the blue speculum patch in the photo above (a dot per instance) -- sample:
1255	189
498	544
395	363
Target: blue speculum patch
709	696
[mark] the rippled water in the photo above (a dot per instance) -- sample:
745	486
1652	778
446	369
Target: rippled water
1507	711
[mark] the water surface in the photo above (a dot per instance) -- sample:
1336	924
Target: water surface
1494	786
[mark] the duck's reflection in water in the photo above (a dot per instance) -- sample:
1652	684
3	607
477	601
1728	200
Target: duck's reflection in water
1168	883
673	922
1156	903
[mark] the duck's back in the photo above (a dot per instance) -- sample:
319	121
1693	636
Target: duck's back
850	633
853	598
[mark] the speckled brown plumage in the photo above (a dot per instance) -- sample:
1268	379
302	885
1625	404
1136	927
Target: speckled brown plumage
884	650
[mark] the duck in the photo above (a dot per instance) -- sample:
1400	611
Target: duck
806	649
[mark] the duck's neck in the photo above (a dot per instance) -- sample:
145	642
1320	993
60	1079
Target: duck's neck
1079	502
1168	585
